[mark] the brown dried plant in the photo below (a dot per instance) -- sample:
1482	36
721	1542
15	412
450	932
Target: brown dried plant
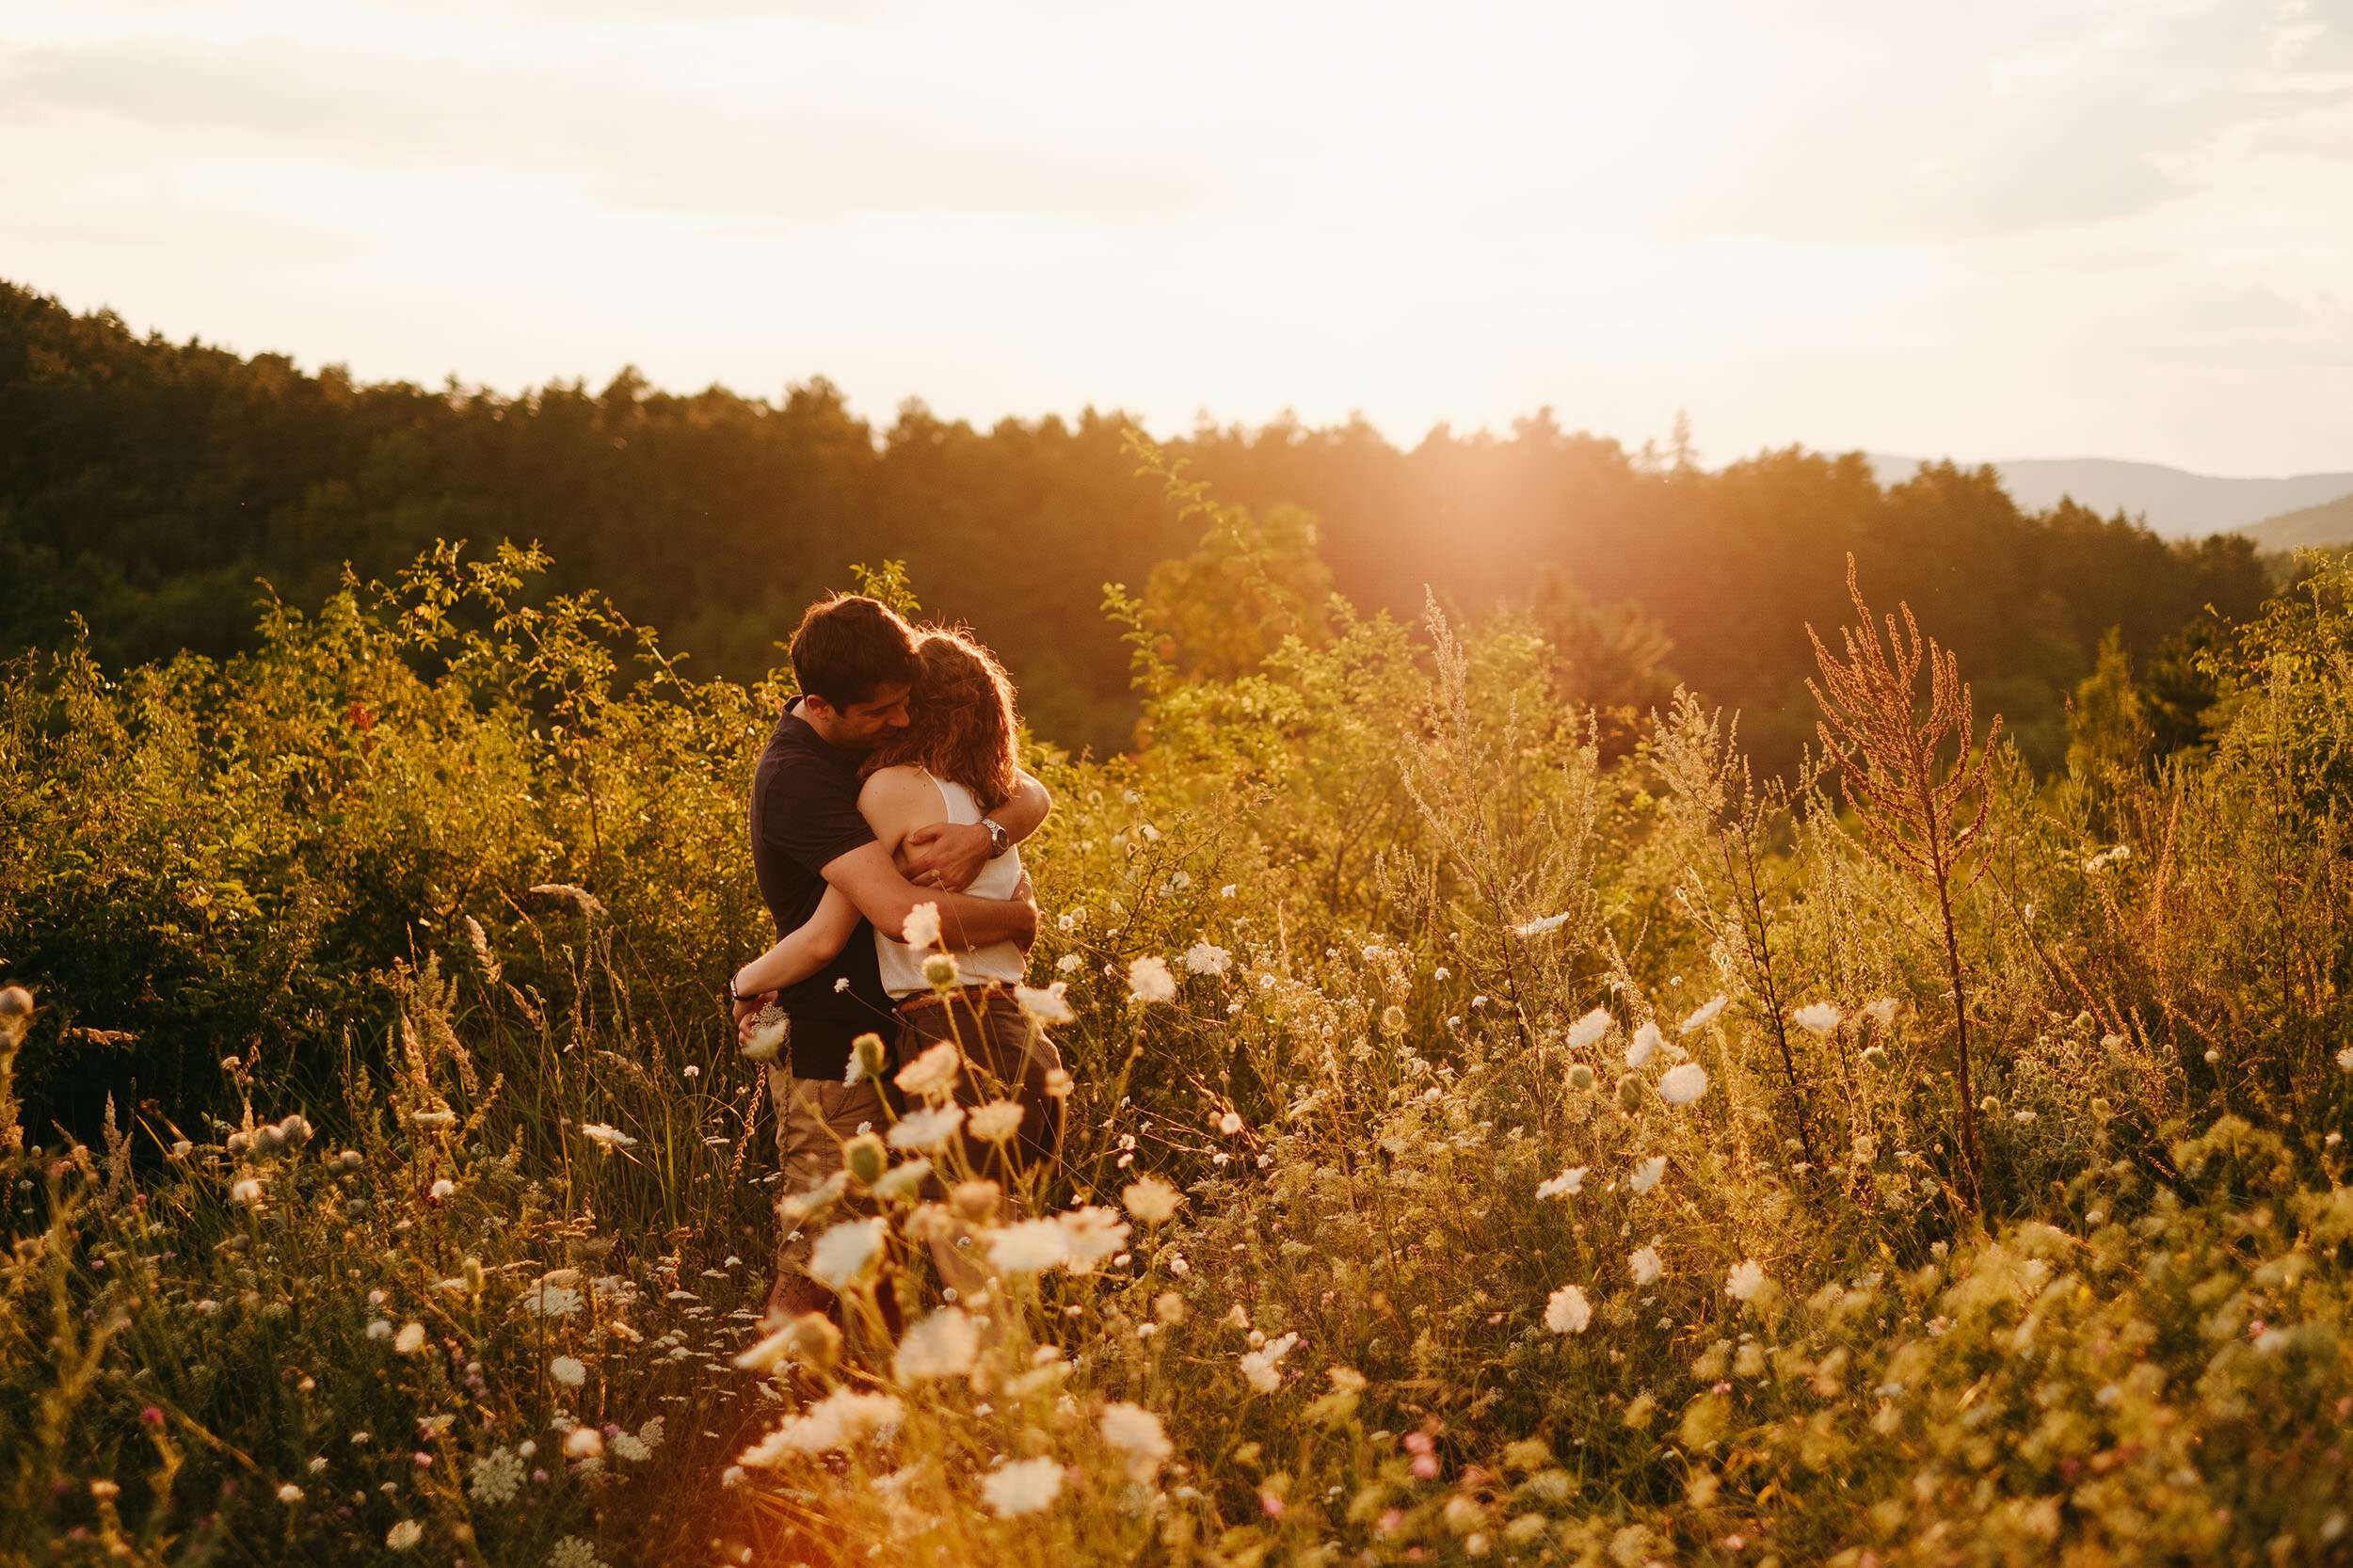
1919	783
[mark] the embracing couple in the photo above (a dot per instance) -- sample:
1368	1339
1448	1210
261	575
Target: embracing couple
892	782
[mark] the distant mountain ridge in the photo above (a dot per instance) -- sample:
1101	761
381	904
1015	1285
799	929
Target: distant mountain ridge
2175	503
2328	524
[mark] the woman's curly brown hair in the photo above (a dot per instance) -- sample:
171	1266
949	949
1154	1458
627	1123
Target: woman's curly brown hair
962	722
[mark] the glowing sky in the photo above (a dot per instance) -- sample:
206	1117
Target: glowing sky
2005	228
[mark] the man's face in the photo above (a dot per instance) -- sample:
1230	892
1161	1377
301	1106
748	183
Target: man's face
862	725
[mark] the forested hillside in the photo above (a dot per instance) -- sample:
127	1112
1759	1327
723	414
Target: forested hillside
146	486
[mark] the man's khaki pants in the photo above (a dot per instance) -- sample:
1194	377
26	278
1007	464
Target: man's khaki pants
815	1116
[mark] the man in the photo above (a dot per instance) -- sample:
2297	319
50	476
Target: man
855	661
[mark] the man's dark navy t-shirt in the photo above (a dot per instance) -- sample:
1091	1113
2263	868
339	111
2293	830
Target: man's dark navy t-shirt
804	815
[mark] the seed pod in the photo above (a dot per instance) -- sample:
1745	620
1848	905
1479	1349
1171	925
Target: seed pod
1875	1056
1580	1076
295	1128
15	1002
939	971
864	1158
815	1341
1630	1093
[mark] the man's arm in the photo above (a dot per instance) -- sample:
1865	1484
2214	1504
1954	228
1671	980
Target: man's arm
868	878
951	855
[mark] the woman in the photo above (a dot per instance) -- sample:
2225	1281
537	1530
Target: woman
957	756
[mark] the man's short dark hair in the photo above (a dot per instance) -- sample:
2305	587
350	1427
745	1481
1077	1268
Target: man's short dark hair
849	646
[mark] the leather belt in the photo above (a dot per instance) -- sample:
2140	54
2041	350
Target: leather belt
974	994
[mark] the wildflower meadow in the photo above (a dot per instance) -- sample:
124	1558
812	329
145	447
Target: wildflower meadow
1484	1142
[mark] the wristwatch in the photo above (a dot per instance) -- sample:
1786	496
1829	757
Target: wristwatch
732	994
998	839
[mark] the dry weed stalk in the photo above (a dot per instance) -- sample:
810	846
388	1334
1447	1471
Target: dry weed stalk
1915	805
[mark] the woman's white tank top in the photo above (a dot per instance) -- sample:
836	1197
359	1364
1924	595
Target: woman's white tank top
903	966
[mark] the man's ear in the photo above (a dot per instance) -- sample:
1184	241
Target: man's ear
810	699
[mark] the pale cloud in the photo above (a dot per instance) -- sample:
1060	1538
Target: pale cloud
2012	228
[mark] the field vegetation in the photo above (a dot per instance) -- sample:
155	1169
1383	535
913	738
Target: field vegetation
1500	1131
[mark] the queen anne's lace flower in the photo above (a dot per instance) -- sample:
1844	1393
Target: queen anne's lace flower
410	1339
568	1371
1589	1028
842	1420
1050	1004
1258	1366
1148	980
1646	1040
1647	1174
1566	1185
497	1477
607	1138
995	1122
1137	1433
1029	1247
921	929
1024	1486
572	1552
1820	1016
1681	1085
1089	1235
845	1253
932	1073
1207	958
404	1536
1538	927
1567	1311
927	1130
1644	1265
1151	1200
941	1346
1747	1279
1704	1015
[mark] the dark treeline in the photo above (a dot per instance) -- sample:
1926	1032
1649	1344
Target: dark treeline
146	486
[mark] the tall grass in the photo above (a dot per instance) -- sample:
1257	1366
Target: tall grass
1542	1157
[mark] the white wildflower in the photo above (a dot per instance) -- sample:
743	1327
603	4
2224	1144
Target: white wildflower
568	1371
1681	1085
1258	1366
1151	1200
1646	1040
1701	1016
845	1253
941	1346
607	1138
903	1181
1747	1279
932	1073
248	1191
995	1122
404	1536
1089	1235
410	1339
1566	1185
927	1130
1567	1311
1539	927
1820	1016
1148	980
1205	958
497	1477
1136	1432
1589	1028
1051	1005
290	1493
1881	1011
1644	1265
767	1041
1070	963
921	929
1647	1174
441	1188
842	1420
572	1552
1024	1486
1029	1247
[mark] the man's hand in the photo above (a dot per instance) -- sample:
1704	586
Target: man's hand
946	854
747	1008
